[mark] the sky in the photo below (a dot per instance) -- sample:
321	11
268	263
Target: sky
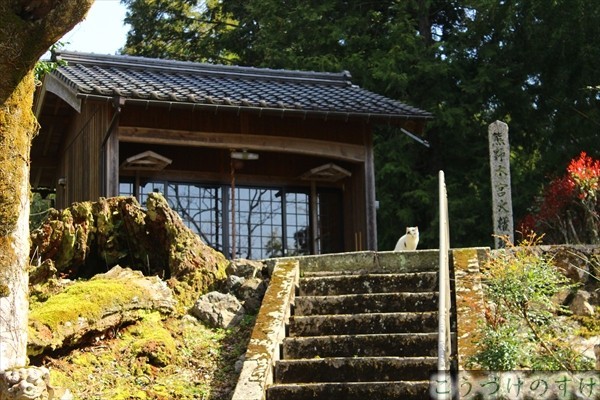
102	32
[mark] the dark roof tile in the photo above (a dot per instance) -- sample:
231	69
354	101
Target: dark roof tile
139	79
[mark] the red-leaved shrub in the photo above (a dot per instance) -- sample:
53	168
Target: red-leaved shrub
569	211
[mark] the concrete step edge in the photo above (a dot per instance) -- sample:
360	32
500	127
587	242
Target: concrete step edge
373	314
368	283
369	335
367	323
390	390
366	303
334	275
358	295
388	358
354	369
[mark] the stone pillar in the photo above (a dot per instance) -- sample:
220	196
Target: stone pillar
500	174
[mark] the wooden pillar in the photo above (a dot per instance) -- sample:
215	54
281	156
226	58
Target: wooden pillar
111	166
314	219
370	201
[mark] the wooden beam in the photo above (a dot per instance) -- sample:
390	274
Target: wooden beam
63	91
281	144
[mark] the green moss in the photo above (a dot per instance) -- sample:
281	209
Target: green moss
196	282
17	128
82	300
149	339
59	378
86	359
68	238
200	366
83	211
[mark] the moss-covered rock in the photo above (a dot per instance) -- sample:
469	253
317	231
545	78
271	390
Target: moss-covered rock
118	297
127	365
151	340
91	237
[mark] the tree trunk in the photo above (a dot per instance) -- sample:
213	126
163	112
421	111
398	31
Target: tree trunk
425	22
27	29
16	131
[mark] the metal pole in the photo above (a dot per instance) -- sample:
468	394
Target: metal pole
444	346
442	284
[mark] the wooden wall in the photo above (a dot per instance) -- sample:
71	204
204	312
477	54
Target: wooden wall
81	163
199	143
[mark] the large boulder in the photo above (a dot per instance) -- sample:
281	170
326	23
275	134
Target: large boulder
251	293
219	310
85	308
247	280
580	304
246	269
91	237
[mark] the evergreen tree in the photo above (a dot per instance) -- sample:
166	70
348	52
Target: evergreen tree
531	64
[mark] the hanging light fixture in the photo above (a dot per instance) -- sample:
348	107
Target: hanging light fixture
243	155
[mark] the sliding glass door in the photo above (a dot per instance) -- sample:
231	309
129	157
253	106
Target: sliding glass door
260	222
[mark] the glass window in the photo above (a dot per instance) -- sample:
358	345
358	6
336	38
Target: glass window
258	222
126	188
269	222
200	209
297	224
148	188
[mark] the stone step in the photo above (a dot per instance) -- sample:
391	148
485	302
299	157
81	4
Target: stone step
366	303
396	322
354	369
368	283
398	390
378	345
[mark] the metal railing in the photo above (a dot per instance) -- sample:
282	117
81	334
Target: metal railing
444	304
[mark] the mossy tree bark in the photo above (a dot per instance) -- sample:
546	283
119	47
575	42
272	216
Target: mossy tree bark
27	29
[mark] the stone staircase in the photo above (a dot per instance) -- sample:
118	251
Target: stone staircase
359	335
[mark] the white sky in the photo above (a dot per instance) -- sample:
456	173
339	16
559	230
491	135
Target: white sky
102	32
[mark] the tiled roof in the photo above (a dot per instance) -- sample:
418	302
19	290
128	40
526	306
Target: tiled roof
146	80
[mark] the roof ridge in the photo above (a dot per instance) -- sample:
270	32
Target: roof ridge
136	62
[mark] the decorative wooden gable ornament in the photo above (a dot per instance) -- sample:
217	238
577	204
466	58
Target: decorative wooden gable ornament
326	173
146	161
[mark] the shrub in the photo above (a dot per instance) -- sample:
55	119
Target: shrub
569	210
522	330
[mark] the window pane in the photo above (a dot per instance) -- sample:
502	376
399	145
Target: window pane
258	223
297	221
150	187
200	209
126	188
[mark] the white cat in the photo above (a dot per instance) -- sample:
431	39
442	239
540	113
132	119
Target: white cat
409	241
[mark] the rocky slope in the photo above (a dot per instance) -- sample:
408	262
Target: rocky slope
127	303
